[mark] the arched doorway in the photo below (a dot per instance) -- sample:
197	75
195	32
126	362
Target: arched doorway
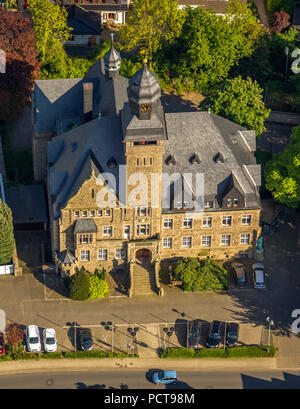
143	255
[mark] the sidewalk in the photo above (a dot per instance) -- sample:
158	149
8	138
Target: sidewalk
137	363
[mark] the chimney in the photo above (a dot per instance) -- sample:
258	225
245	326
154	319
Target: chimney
87	101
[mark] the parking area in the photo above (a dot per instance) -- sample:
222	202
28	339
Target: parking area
147	339
247	267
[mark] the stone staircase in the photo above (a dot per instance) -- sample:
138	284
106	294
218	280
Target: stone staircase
144	279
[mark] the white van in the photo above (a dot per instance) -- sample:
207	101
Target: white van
258	275
33	338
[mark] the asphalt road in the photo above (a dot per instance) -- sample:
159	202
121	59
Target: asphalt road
140	379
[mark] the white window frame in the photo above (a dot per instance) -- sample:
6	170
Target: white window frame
245	238
208	204
204	221
167	243
168	224
84	213
120	253
186	242
107	212
225	240
76	214
100	213
102	254
92	213
84	255
206	241
226	218
107	231
187	223
245	218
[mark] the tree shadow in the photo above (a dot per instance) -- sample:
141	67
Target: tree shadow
53	282
175	103
82	385
281	297
120	277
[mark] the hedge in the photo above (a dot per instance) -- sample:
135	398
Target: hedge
97	354
253	351
68	355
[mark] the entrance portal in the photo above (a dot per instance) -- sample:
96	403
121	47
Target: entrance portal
143	255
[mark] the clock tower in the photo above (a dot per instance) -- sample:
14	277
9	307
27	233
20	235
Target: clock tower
144	93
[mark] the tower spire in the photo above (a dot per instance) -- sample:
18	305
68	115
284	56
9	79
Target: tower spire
112	61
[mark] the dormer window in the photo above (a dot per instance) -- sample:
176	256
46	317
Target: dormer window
235	202
229	202
219	158
112	163
170	160
194	159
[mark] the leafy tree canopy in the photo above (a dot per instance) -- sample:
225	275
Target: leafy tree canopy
241	101
282	173
201	275
79	286
7	241
150	22
98	287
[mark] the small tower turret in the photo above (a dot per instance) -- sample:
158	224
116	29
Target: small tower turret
112	61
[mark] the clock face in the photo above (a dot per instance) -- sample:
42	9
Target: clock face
145	107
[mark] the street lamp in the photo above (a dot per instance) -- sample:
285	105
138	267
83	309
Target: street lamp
268	319
169	332
286	52
132	332
75	324
110	326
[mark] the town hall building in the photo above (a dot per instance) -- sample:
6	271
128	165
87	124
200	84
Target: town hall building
102	125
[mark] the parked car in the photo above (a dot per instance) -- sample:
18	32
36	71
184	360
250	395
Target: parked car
164	377
49	339
258	275
232	333
239	274
33	338
86	340
214	335
2	345
194	334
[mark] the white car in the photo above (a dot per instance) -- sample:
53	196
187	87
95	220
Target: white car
33	338
258	275
49	339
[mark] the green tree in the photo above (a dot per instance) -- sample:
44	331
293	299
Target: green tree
240	101
98	287
79	286
7	241
210	45
282	173
50	26
200	275
150	22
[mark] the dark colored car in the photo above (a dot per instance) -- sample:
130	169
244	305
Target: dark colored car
2	345
194	334
239	274
214	335
232	334
86	340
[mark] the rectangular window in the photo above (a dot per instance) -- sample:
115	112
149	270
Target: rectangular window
187	223
137	162
151	160
186	242
143	211
93	193
167	243
245	238
236	202
144	161
102	254
207	221
107	231
84	213
107	212
85	238
76	214
206	241
225	240
92	213
246	220
226	220
85	255
168	224
126	232
229	202
142	229
99	213
120	253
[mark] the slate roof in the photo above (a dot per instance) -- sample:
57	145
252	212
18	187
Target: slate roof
85	226
66	257
219	6
27	203
82	21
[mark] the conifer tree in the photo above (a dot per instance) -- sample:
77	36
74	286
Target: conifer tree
7	240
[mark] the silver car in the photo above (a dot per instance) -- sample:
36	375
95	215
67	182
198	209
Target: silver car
258	275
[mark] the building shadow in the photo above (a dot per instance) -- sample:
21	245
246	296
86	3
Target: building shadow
290	381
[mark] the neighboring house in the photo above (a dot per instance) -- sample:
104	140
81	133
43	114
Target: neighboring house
102	121
86	26
111	11
219	6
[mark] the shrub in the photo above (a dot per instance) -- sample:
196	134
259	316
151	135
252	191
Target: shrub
80	286
252	351
97	354
7	240
98	287
15	335
280	21
200	275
